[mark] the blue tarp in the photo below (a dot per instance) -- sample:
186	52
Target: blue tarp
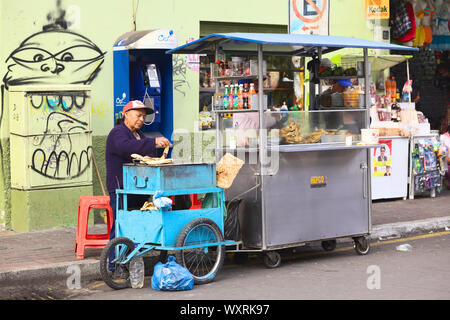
283	43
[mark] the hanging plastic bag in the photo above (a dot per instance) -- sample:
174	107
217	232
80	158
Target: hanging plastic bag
160	201
171	276
232	229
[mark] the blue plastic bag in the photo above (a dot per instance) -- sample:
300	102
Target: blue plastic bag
160	201
171	276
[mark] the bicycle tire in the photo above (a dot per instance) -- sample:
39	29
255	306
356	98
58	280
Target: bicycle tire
209	258
106	274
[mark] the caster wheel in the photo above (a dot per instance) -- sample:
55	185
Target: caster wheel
329	245
362	246
272	259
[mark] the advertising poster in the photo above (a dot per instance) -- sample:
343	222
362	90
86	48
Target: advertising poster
382	158
377	9
309	16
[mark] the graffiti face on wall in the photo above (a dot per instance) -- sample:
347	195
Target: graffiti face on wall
54	57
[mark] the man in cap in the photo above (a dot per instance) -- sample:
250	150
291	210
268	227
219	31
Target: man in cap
123	140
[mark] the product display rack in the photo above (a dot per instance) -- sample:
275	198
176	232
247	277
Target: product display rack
424	171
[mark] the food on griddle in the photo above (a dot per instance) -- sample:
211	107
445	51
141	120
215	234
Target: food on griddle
153	161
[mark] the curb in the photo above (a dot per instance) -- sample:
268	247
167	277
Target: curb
54	274
58	274
400	229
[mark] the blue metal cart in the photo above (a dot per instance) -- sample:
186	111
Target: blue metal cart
195	236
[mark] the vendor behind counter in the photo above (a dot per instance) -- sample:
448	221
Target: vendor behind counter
338	120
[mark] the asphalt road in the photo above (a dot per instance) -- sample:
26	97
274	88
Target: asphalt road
422	272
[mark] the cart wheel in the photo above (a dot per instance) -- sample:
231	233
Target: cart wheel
272	259
202	262
329	245
362	245
119	277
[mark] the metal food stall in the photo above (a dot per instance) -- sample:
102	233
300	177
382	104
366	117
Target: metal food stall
301	181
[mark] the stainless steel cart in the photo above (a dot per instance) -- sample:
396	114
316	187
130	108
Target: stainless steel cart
297	193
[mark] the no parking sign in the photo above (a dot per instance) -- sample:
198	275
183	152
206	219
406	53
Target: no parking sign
309	16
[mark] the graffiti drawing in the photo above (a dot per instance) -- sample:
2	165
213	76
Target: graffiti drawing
55	55
179	74
56	156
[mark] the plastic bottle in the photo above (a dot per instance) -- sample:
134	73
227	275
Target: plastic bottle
236	97
226	98
246	97
137	271
393	88
387	85
241	96
250	93
230	97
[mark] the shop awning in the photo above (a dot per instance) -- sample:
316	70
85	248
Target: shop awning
377	62
294	44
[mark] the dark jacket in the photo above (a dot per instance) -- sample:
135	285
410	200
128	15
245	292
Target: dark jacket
120	145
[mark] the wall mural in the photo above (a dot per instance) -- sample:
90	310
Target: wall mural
55	56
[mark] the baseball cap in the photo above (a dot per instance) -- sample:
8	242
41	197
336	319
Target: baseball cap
344	82
134	105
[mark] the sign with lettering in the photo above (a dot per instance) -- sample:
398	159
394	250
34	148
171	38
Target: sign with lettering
318	181
377	9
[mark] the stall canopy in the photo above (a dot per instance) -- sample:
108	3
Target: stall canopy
378	62
292	44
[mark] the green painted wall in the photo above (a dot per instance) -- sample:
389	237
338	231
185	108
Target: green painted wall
102	22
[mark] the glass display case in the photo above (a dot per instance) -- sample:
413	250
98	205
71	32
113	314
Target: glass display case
334	116
292	127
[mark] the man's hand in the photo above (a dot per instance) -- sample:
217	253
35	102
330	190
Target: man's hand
162	142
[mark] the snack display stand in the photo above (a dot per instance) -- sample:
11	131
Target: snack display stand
424	172
297	184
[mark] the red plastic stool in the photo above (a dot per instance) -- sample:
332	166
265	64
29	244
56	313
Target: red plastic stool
83	239
195	203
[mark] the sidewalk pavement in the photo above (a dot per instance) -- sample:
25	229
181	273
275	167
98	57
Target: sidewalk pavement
47	256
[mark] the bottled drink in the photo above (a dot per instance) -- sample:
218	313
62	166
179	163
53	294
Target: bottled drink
250	93
230	97
393	88
137	272
240	96
226	98
387	85
236	97
245	99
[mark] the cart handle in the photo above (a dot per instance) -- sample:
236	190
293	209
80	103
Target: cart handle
136	183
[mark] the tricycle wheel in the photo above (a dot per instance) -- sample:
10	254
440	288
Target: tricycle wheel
115	274
205	261
362	245
329	245
272	259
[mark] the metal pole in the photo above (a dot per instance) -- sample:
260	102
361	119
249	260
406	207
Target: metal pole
262	142
367	125
219	139
407	75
